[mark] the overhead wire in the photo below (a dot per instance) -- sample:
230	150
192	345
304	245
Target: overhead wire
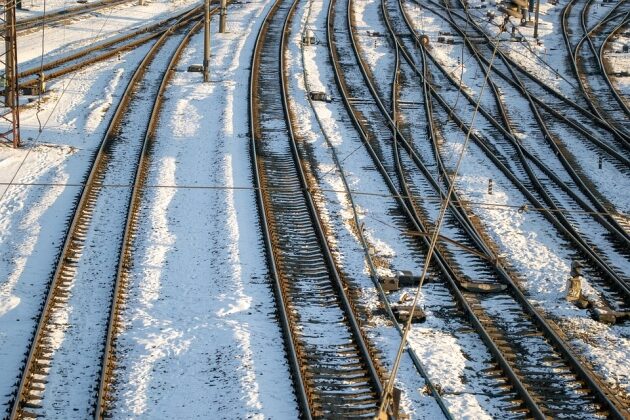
389	386
461	203
42	127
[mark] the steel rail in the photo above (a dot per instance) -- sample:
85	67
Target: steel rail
506	278
588	33
364	244
607	221
600	58
394	103
64	14
299	380
552	335
579	126
87	188
303	385
124	261
154	30
602	49
586	373
599	206
556	217
623	141
414	220
564	18
341	286
576	55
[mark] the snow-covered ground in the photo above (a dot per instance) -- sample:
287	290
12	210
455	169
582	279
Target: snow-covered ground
93	27
533	249
200	332
33	8
538	247
619	62
34	217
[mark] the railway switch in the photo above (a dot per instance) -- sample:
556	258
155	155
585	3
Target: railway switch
309	38
389	284
477	287
320	96
403	312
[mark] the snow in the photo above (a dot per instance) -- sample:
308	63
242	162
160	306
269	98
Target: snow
34	217
33	8
200	327
542	258
59	40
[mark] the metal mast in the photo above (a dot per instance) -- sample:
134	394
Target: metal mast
206	43
223	16
9	115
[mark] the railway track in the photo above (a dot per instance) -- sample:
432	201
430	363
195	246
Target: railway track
108	363
604	66
73	342
313	175
335	372
64	14
583	173
524	173
356	99
594	82
589	127
619	300
565	179
29	78
575	115
560	397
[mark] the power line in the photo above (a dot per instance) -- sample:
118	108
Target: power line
461	203
387	391
42	127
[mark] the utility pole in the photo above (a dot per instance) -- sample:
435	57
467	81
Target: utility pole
223	16
8	59
206	43
536	19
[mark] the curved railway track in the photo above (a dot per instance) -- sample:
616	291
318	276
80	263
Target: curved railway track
364	242
501	122
507	123
108	363
604	67
64	14
560	187
101	51
69	352
563	183
335	372
595	129
547	114
530	321
594	82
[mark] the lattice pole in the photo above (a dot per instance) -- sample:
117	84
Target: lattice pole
8	61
